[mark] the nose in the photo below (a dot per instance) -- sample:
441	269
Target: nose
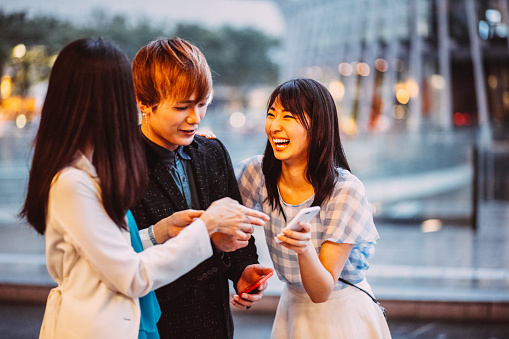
194	117
275	126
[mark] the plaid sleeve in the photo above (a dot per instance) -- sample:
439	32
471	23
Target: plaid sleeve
348	215
250	180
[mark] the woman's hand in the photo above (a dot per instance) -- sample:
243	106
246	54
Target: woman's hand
207	134
319	272
171	226
229	217
297	241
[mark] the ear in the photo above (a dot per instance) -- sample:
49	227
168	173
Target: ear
144	108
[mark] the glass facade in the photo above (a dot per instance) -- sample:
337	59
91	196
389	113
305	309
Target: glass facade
422	85
415	60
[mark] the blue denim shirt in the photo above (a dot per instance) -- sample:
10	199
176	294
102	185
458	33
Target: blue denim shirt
178	163
179	174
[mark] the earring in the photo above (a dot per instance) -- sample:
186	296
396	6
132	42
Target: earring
147	128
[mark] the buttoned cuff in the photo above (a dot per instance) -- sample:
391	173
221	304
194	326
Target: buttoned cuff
145	239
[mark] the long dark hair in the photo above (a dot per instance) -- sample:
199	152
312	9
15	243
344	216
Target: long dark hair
307	97
90	102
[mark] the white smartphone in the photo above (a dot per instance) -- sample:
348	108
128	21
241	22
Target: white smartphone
304	215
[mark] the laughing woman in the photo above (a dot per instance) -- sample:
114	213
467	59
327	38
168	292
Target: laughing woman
304	165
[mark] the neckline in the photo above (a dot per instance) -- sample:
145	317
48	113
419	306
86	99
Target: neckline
308	200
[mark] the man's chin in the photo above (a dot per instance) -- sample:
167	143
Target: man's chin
186	141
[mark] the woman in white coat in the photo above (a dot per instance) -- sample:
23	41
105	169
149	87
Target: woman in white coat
86	173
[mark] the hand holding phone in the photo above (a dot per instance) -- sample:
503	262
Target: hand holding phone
304	215
253	287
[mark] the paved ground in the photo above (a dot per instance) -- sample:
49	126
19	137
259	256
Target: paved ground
443	284
23	322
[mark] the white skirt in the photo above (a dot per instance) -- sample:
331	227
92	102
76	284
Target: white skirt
349	313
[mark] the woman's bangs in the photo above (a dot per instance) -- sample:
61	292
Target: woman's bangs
292	101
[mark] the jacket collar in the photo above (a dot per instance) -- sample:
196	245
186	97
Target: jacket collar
81	162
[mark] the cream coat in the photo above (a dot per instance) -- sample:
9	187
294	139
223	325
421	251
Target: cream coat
99	275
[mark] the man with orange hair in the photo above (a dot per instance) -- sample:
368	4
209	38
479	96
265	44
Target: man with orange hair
173	86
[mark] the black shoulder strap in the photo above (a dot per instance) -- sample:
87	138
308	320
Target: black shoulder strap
357	287
372	298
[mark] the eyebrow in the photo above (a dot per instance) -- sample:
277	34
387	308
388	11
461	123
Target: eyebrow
271	108
185	101
192	101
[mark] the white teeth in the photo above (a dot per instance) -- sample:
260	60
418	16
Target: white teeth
281	141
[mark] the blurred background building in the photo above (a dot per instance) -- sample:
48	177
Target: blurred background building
429	63
435	71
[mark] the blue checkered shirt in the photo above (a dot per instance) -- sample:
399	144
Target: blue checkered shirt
345	218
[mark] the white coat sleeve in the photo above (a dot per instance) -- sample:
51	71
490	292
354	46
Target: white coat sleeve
75	208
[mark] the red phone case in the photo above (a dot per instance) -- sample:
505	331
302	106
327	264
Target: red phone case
254	286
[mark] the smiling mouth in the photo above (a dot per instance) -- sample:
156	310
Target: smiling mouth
281	143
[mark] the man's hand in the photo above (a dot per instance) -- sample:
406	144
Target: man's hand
230	243
251	274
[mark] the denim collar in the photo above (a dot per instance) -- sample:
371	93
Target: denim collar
166	156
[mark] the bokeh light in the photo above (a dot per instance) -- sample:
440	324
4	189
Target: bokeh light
400	112
337	90
5	86
492	81
431	225
349	126
402	96
412	88
381	65
437	81
345	69
363	69
19	51
21	121
237	119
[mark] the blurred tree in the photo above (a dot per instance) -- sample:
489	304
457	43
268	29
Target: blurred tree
128	37
16	28
238	57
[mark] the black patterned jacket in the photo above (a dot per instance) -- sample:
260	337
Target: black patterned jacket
197	304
